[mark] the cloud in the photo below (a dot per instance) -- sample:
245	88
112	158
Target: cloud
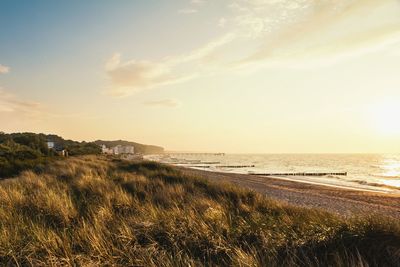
194	4
12	106
133	76
284	33
169	103
136	75
197	2
323	32
4	69
222	22
204	51
187	11
307	32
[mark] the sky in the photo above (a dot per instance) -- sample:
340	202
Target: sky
234	76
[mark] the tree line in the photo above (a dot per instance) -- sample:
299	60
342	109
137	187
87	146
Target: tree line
21	151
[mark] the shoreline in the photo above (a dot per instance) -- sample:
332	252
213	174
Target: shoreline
389	189
332	185
340	200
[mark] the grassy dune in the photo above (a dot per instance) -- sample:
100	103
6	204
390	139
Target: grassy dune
95	211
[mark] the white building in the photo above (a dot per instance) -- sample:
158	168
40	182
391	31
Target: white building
50	144
118	150
128	150
106	150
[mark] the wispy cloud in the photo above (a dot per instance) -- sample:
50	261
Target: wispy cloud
4	69
306	32
187	11
320	32
11	106
198	2
288	33
133	76
14	109
222	22
192	8
136	75
169	103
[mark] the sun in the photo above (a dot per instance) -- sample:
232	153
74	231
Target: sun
386	117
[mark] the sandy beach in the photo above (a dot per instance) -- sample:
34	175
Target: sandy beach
344	202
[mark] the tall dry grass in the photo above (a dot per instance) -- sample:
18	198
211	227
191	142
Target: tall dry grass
94	211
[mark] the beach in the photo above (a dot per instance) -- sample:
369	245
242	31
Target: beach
341	201
367	172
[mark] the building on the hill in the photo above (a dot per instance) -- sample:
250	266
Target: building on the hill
57	148
128	150
106	150
118	150
50	144
62	153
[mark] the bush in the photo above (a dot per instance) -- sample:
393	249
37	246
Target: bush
22	151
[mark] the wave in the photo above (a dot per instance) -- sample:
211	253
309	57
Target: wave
363	182
366	183
377	166
386	176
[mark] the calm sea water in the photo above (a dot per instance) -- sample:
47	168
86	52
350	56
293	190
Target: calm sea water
377	172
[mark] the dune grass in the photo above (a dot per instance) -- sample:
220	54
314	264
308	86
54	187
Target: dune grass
91	211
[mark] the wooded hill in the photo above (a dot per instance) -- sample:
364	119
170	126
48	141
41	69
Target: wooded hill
139	148
21	151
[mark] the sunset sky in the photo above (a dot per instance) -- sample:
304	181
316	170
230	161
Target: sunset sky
241	76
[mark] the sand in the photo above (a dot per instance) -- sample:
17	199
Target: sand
342	201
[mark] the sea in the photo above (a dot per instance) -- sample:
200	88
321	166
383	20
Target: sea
366	172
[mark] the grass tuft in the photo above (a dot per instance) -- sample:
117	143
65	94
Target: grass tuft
91	211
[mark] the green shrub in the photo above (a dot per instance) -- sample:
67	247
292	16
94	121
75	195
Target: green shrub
22	151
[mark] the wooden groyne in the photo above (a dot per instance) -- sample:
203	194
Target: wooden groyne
193	154
223	166
235	166
199	162
302	174
200	166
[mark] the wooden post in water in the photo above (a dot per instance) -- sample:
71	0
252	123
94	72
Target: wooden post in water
302	174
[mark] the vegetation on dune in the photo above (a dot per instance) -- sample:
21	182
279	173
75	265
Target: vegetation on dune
91	210
22	151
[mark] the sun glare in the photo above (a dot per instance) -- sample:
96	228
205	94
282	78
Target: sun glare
385	117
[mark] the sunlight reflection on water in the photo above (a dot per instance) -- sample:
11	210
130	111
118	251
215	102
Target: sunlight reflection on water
379	171
391	167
